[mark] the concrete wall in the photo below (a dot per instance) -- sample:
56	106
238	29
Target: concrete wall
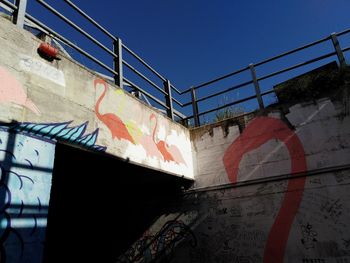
35	90
26	165
252	147
245	224
269	188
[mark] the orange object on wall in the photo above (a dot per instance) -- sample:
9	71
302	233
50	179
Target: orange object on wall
49	50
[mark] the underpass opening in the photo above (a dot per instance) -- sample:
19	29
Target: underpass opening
100	205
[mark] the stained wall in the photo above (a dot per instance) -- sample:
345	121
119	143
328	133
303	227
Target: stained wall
35	90
271	187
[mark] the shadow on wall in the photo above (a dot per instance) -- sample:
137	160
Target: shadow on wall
25	170
101	205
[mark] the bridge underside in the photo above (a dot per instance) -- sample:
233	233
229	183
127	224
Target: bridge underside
100	205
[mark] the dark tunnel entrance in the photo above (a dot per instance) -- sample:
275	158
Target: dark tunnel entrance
100	205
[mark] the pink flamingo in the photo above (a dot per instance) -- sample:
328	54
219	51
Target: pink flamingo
175	152
170	153
258	132
12	91
161	144
150	147
112	121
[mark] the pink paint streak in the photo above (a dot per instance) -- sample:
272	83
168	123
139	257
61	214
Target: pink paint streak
258	132
150	147
12	91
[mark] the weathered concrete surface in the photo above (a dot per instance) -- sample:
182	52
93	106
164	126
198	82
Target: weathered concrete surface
323	128
35	90
268	188
236	225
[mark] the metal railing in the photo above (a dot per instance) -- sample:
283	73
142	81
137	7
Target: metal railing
117	54
120	64
338	51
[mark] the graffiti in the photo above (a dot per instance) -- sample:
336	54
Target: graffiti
258	132
11	91
129	131
222	211
308	236
161	245
24	195
315	181
332	209
24	201
42	69
112	121
61	132
341	176
346	243
236	211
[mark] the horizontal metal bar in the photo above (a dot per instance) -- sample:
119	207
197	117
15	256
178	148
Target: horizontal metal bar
346	49
90	19
187	104
179	114
174	88
297	66
224	106
267	92
343	32
217	79
177	102
9	4
228	105
146	93
143	77
69	43
268	60
54	11
292	51
227	90
143	62
235	102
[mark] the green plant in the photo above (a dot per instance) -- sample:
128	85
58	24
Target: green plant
229	112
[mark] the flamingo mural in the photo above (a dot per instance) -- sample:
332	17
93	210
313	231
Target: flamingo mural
112	121
258	132
129	130
169	153
130	125
139	137
12	91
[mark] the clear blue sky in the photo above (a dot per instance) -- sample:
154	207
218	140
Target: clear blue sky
192	41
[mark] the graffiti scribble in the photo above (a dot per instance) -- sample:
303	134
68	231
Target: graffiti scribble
308	236
161	245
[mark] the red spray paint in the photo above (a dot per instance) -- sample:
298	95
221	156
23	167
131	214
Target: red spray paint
258	132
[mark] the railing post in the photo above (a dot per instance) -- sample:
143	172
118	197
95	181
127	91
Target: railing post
19	14
169	99
338	50
256	85
118	62
195	107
